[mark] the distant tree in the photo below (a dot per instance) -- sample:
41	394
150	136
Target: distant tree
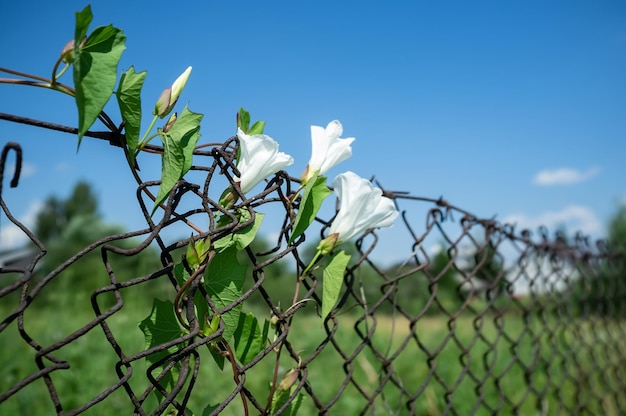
68	226
600	288
445	281
488	270
56	214
617	230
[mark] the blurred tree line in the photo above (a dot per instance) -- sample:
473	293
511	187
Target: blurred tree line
600	285
445	282
66	227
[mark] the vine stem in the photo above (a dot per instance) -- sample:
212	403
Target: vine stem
225	346
274	380
233	364
294	302
199	271
23	74
143	141
296	194
54	70
65	89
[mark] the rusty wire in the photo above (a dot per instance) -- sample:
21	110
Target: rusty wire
566	357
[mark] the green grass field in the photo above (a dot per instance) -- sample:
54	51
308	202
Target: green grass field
471	365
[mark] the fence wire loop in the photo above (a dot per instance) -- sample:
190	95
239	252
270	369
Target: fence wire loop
476	317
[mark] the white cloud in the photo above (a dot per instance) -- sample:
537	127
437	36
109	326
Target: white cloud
62	166
11	235
573	218
564	176
27	170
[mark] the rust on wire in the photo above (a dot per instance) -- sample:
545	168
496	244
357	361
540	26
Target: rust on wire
476	316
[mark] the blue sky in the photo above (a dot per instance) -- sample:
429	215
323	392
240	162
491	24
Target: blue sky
508	109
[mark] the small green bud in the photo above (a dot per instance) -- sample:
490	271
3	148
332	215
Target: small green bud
197	252
327	245
210	327
67	53
228	198
170	122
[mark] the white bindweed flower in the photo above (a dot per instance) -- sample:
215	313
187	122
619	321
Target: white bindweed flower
258	158
166	102
328	150
362	207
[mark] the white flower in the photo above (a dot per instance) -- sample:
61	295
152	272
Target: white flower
328	150
258	158
169	96
362	207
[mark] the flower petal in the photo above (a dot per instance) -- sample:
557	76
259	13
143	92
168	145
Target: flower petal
327	149
334	129
338	151
362	207
319	144
258	158
353	194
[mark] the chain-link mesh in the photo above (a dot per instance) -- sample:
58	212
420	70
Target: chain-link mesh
478	318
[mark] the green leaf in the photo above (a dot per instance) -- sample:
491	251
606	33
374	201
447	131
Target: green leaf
333	280
129	100
281	398
315	192
178	144
95	68
242	238
159	327
187	131
250	338
243	120
209	409
171	169
223	280
220	360
257	128
83	20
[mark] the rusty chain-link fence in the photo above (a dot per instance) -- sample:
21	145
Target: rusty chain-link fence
475	318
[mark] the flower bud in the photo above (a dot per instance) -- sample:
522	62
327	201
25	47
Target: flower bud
210	326
327	245
170	123
228	198
169	96
288	380
67	53
197	252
